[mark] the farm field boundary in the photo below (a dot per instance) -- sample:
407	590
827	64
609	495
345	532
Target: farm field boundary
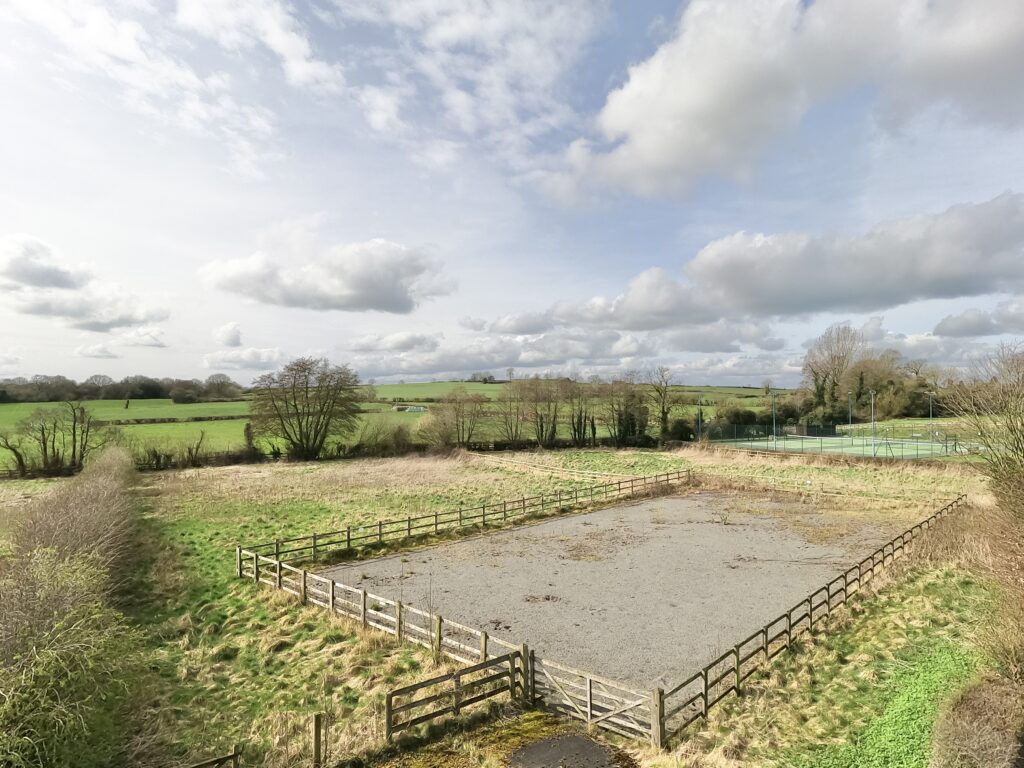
657	715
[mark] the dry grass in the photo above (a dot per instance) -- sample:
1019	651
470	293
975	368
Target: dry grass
979	728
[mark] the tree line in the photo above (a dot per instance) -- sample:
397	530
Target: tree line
55	389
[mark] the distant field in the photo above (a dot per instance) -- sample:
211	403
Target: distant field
228	434
439	389
111	410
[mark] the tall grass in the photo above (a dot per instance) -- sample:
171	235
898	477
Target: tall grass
67	656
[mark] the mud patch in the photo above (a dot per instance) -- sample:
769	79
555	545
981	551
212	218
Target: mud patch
569	751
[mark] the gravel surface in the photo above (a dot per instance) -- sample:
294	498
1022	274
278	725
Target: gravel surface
643	593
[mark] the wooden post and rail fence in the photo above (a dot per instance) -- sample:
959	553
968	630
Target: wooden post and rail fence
496	667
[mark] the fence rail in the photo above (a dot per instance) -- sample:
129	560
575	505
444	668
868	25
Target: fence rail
450	694
232	759
692	699
315	545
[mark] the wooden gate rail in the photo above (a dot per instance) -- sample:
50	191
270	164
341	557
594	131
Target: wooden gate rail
315	545
231	759
692	699
594	700
450	694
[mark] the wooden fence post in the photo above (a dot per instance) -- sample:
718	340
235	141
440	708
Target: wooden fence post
435	522
277	549
590	700
398	619
362	606
255	568
278	569
238	562
302	587
348	537
236	754
736	657
437	635
380	531
333	609
388	716
408	527
658	718
318	734
524	653
457	680
483	646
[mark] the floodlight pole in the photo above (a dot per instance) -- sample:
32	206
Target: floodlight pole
849	400
874	446
699	419
931	430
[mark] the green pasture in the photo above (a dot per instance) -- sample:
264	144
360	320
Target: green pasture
113	410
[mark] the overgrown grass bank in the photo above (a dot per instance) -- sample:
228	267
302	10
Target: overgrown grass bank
69	661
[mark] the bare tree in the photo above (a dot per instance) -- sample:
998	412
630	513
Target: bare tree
660	381
306	403
15	444
580	401
464	412
512	411
542	398
60	438
991	403
827	361
623	411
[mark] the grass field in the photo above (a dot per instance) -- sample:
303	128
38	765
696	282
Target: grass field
230	663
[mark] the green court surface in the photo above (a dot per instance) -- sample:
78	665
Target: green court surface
852	446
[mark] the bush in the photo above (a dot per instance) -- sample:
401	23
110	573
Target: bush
184	396
68	660
681	429
65	662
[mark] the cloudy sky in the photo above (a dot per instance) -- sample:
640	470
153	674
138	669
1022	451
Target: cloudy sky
428	187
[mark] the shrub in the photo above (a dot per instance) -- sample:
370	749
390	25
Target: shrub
67	658
65	662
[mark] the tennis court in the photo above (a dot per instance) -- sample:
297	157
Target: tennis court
851	446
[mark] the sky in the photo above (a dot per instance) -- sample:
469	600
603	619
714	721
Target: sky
423	189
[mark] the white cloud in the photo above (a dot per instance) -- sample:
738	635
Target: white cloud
374	275
9	359
145	336
100	307
472	323
1007	317
28	261
40	284
228	335
967	250
522	323
936	350
100	351
496	71
250	358
403	341
244	24
128	46
738	75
